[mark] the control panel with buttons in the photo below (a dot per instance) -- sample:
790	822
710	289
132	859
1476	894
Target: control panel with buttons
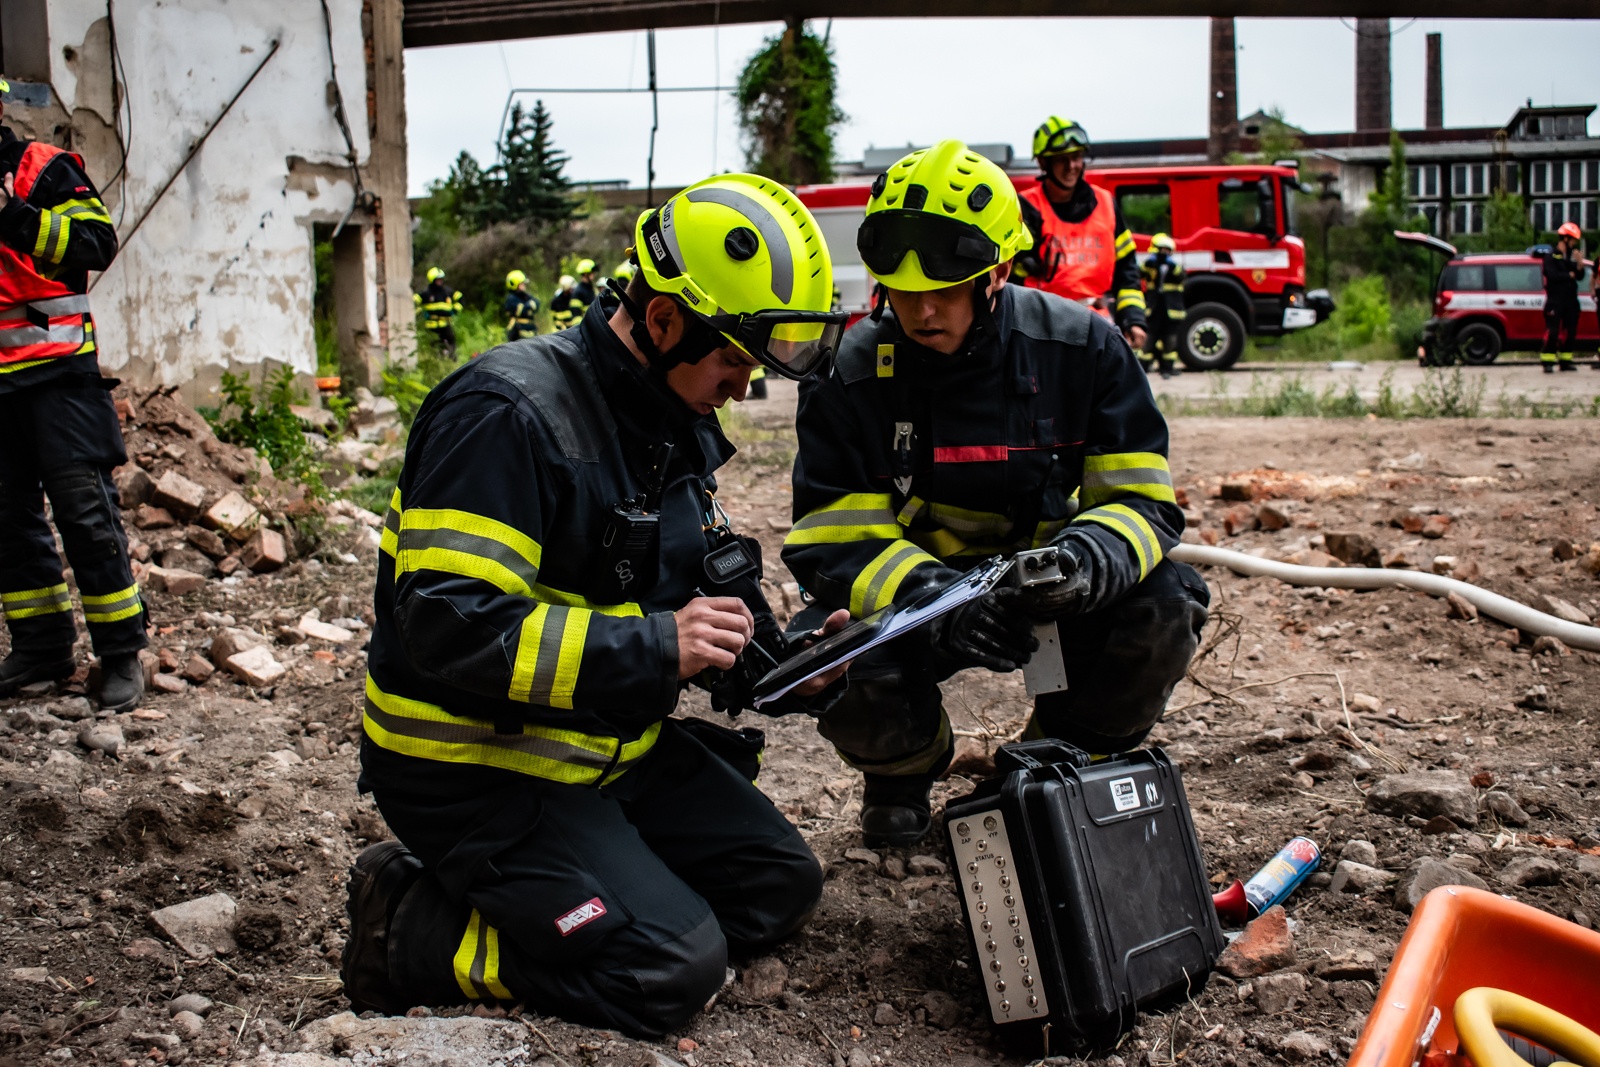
999	921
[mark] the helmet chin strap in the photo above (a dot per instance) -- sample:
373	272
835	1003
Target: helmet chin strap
698	340
1049	176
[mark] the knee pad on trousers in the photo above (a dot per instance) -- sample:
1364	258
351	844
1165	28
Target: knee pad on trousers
84	506
784	889
663	986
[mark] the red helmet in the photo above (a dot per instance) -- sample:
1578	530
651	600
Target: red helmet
1570	229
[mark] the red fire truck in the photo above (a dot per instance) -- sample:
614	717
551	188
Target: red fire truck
1233	226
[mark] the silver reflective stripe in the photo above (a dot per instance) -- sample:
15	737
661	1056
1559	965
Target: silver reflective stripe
669	233
875	587
19	336
466	733
473	545
1127	476
548	662
76	304
857	519
762	218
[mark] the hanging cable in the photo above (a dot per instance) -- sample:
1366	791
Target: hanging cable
119	91
359	197
655	122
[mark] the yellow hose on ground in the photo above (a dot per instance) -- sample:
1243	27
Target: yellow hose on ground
1481	1012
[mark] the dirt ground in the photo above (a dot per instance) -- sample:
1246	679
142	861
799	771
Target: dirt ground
252	793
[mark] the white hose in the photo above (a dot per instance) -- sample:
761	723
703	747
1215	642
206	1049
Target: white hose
1505	609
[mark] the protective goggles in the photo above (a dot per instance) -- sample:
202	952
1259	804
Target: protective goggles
1067	139
949	250
796	344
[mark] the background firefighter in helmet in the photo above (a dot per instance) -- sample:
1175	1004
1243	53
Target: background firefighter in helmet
565	308
1163	295
585	292
521	306
1563	270
439	305
968	416
539	609
59	436
1082	249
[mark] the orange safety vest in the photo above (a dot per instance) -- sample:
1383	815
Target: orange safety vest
40	318
1079	257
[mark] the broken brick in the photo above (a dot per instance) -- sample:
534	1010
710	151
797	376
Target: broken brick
265	551
233	515
1266	945
182	497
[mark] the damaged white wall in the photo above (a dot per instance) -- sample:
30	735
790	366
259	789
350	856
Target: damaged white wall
218	271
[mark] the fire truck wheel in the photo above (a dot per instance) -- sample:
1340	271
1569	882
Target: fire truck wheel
1479	343
1213	337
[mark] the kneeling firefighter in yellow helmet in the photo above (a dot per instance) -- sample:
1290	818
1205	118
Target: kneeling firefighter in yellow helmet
521	306
554	570
970	416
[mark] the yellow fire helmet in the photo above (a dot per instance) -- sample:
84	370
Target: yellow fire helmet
434	274
1163	240
745	257
1059	137
938	217
515	278
586	266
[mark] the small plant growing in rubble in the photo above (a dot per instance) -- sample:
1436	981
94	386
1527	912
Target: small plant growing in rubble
261	417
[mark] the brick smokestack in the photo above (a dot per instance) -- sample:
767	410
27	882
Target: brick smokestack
1223	134
1372	75
1433	112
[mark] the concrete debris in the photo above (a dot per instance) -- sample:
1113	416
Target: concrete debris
232	640
1561	609
1359	851
1354	965
1528	871
1547	645
1275	993
201	927
1352	877
176	582
1501	805
1300	1045
233	515
311	626
99	736
256	667
468	1041
178	495
1460	606
190	1002
1426	875
944	1011
1354	549
266	551
1425	794
1265	945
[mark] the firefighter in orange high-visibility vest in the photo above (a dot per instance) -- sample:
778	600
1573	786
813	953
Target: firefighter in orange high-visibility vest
1082	249
59	435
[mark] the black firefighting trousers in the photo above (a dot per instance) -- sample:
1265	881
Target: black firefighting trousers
1122	663
613	907
61	439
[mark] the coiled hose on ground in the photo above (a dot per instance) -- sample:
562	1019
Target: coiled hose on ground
1508	611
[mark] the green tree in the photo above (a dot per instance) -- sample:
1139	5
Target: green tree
1368	246
787	110
528	182
1505	223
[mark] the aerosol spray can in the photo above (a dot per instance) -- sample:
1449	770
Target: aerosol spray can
1282	874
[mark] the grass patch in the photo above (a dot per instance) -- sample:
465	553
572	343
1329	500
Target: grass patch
1444	393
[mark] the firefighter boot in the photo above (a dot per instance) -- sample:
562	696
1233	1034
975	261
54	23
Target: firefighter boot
895	809
378	882
24	667
121	681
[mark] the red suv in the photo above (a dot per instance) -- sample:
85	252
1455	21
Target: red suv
1492	302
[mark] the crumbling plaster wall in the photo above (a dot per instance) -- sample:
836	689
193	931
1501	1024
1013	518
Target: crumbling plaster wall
219	271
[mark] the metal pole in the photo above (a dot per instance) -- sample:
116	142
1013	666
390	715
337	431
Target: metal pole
655	121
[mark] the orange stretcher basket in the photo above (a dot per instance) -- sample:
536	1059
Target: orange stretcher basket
1461	938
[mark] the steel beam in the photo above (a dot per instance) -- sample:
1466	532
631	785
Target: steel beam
441	22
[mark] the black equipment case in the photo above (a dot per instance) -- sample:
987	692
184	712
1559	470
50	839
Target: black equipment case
1084	890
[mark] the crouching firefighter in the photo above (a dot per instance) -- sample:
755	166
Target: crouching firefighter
967	417
59	434
561	841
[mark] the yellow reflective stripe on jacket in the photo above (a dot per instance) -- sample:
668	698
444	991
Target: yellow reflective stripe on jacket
54	230
11	368
427	731
112	607
1117	474
1133	528
472	546
968	522
852	517
549	651
29	603
1130	298
878	581
477	961
91	210
389	540
1124	244
547	595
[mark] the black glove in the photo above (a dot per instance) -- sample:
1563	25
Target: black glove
993	631
1050	601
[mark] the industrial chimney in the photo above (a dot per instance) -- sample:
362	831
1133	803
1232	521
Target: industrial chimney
1372	74
1223	133
1433	111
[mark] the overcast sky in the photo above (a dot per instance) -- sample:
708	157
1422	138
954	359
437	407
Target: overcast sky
916	81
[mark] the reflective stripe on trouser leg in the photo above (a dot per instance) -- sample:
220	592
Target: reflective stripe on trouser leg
477	961
33	592
84	505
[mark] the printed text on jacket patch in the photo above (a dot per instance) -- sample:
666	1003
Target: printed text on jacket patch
582	915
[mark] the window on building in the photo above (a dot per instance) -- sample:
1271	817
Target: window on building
1558	213
1431	213
1146	208
1511	177
1591	171
1519	278
1540	218
1558	178
1469	179
1467	218
1539	177
1422	180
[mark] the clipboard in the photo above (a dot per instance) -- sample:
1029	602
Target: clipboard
881	626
